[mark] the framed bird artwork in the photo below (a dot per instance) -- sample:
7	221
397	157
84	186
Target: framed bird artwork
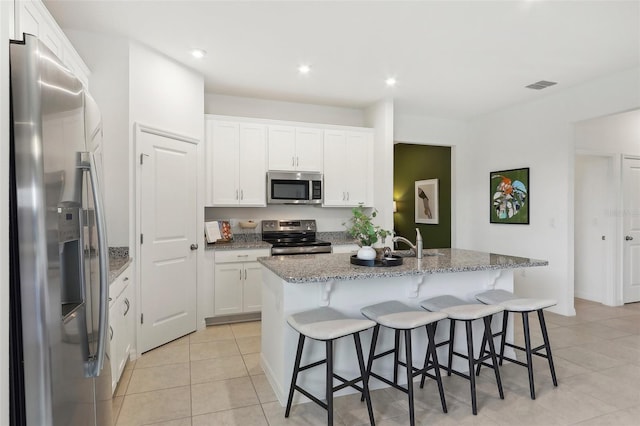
509	196
427	201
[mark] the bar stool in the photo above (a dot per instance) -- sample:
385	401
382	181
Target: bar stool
515	304
327	324
459	310
401	317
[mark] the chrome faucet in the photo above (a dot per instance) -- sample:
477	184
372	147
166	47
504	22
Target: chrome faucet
417	248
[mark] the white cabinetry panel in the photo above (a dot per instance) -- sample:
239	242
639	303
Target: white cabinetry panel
295	148
236	164
121	324
282	148
347	168
32	17
238	281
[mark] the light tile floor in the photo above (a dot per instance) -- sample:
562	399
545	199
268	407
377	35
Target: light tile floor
213	378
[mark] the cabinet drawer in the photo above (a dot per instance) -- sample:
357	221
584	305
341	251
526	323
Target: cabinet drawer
229	256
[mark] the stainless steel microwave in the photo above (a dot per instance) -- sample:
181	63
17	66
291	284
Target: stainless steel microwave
294	187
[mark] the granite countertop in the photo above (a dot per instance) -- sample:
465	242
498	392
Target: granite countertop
337	266
118	261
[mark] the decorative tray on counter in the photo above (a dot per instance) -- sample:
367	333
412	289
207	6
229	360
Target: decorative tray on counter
392	260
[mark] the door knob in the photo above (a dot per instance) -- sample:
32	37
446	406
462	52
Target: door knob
194	247
628	238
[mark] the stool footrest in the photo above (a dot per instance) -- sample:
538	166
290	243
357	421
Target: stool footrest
314	364
311	397
534	351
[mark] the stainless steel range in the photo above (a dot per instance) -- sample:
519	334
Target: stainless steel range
293	237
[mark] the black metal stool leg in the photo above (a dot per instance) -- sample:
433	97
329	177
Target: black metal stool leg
294	378
482	351
472	377
452	331
364	374
492	350
329	384
545	336
396	356
431	348
503	333
409	363
527	351
372	352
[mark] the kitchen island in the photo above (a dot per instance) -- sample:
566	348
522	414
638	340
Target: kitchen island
297	283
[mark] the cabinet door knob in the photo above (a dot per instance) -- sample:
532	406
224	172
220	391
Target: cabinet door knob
628	238
126	302
110	333
194	247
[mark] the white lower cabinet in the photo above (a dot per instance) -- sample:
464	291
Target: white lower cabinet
238	281
120	324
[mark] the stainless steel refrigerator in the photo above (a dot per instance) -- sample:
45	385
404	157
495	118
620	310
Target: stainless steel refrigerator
58	248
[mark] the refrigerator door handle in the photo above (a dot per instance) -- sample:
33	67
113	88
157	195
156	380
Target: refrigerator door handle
97	361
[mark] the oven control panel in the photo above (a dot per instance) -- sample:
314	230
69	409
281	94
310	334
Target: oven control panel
288	225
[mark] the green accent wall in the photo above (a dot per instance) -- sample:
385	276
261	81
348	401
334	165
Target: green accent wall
419	162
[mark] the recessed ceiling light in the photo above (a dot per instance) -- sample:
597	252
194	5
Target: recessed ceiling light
391	81
198	53
304	69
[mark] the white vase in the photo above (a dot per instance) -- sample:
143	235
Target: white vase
366	253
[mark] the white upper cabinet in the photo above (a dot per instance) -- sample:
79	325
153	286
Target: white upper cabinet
32	17
282	148
309	142
236	164
348	171
295	148
253	172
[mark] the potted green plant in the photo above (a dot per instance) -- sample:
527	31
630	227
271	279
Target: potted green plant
366	234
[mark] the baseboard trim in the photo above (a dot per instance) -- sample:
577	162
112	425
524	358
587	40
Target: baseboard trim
233	318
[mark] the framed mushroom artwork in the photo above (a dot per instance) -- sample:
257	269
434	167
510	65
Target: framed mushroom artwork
427	201
509	196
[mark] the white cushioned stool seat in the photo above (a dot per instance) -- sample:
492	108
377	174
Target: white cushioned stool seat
327	323
511	302
458	309
395	314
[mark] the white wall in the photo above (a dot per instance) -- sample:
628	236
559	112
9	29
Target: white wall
6	13
605	139
380	117
278	110
423	130
538	135
165	94
619	133
108	59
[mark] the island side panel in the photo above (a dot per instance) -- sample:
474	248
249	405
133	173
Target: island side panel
281	299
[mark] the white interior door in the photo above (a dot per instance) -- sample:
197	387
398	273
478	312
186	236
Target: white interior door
592	227
631	226
168	225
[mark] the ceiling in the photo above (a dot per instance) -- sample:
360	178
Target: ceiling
452	59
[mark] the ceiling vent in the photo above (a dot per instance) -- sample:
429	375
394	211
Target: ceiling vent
539	85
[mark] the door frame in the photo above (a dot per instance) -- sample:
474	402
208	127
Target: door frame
612	290
621	230
135	218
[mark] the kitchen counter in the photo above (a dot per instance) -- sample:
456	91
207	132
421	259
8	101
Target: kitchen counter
118	261
298	283
312	268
